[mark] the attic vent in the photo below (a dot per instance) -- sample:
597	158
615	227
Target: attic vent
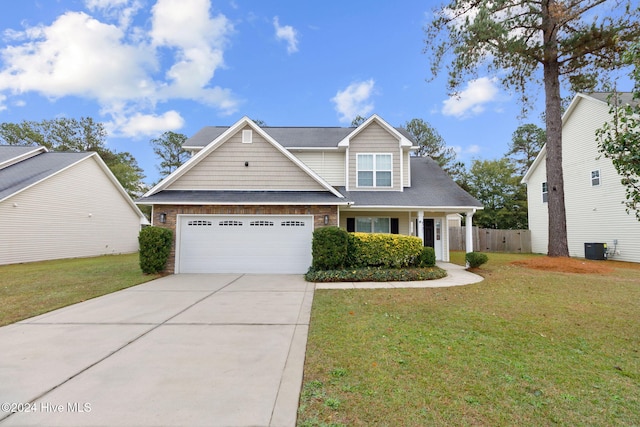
199	223
247	136
261	223
230	223
292	224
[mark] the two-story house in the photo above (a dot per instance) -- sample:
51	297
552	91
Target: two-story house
594	194
250	197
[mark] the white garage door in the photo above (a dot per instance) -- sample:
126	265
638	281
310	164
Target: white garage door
244	244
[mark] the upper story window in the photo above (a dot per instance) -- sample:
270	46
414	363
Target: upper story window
374	170
545	193
595	178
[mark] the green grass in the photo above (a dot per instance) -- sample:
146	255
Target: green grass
27	290
523	347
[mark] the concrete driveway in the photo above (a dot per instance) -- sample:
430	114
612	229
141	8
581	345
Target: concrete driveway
184	350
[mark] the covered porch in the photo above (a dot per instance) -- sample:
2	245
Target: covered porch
430	225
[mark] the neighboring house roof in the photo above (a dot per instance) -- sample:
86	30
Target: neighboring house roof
430	187
31	165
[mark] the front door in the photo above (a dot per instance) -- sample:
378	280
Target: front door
429	239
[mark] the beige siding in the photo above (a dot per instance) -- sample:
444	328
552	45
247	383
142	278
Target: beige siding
406	170
328	164
538	213
77	213
224	169
375	139
594	214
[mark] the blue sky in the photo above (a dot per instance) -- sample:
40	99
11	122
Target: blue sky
143	67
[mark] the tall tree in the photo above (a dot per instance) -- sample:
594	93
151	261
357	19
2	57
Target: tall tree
619	140
526	143
357	121
64	134
528	42
496	184
433	145
168	148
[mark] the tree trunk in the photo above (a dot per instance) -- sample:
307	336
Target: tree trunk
558	246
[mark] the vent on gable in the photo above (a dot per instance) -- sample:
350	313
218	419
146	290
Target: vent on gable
247	136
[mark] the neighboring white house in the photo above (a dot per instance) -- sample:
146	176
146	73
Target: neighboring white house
62	205
594	195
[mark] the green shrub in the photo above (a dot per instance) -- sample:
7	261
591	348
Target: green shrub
329	248
375	274
427	257
155	245
475	259
386	250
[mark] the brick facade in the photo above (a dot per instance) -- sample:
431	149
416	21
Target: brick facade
172	212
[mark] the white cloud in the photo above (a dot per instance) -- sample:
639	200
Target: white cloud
354	100
472	99
288	34
117	65
148	124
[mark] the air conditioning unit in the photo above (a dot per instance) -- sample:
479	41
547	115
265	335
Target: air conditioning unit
595	251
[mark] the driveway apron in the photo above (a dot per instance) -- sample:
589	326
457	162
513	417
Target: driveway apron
184	350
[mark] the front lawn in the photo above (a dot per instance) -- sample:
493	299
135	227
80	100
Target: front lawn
27	290
526	346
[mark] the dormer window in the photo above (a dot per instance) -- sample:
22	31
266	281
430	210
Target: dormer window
374	170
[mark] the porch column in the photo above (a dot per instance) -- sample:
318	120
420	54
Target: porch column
421	225
469	230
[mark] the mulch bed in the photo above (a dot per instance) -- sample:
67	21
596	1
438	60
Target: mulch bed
566	265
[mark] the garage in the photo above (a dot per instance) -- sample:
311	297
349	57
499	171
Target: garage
244	243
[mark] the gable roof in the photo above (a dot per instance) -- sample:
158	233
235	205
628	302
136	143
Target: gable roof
221	139
296	137
405	139
431	187
31	165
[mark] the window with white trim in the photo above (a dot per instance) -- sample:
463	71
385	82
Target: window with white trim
545	193
374	170
595	178
373	225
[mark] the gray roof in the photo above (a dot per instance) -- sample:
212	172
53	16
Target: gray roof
240	197
623	97
23	174
430	187
289	137
8	152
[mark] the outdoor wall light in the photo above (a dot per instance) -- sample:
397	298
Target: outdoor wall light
246	164
326	220
163	217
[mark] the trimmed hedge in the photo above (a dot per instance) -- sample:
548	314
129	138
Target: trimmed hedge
329	248
155	246
386	250
427	257
475	259
372	274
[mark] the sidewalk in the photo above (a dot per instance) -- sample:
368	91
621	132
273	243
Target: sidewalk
456	276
